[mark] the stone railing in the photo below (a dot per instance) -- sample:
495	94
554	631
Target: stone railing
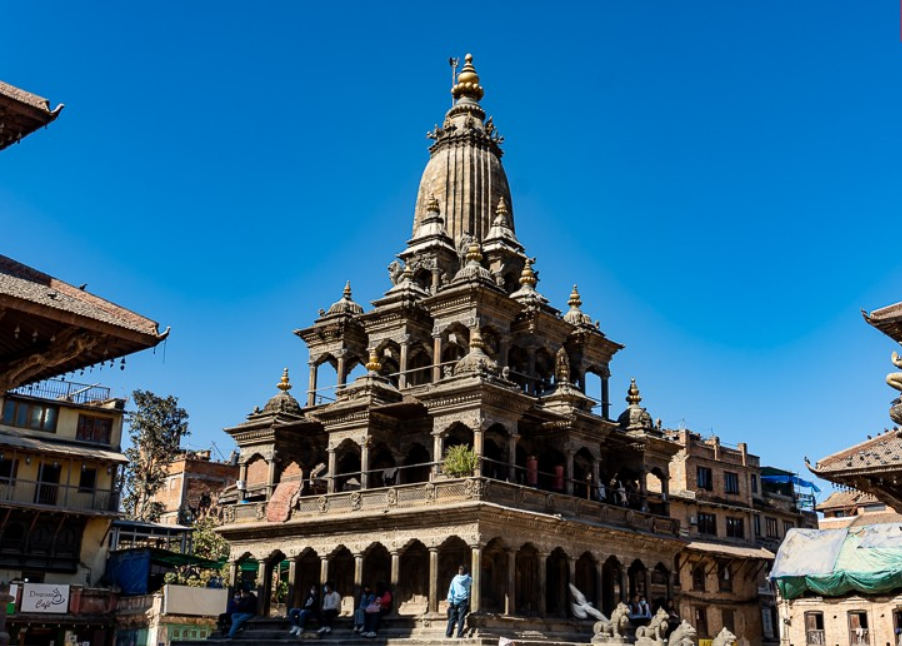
450	491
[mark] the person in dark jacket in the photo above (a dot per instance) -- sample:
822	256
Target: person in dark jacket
310	608
245	610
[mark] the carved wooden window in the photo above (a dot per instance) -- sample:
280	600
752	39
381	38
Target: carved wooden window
858	628
770	526
94	429
731	482
814	629
698	578
724	578
757	524
704	478
37	416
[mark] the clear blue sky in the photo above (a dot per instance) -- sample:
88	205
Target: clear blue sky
721	179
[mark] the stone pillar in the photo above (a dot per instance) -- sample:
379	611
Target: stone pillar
643	491
596	475
669	584
358	574
402	378
271	484
478	437
324	568
395	577
568	476
476	573
311	388
599	584
436	451
264	587
433	580
512	457
542	559
291	601
624	582
510	597
365	463
330	473
342	370
605	398
436	358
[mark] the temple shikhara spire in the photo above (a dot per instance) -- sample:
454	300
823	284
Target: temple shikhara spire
366	480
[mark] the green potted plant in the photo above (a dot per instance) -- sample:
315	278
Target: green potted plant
460	460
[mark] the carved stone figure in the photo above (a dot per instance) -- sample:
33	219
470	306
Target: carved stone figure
614	629
724	638
395	270
684	635
656	630
583	609
562	367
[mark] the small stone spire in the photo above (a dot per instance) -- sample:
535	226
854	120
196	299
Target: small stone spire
633	397
432	208
575	316
284	385
474	253
575	300
374	366
346	293
501	214
468	82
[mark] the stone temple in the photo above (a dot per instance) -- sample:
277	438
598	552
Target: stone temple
462	350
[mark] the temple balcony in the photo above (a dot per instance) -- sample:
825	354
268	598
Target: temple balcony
450	491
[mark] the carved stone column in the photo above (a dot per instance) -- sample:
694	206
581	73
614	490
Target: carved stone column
605	398
330	474
291	601
669	584
264	587
402	378
647	585
436	451
311	388
643	491
532	379
234	568
365	463
599	584
342	369
395	576
324	568
436	358
476	573
624	582
271	476
568	476
503	348
433	579
510	597
358	574
595	479
478	442
512	457
542	559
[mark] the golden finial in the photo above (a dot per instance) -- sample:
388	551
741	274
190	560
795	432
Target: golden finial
468	82
284	385
501	214
432	206
575	300
347	290
528	276
476	339
474	253
632	396
407	274
373	365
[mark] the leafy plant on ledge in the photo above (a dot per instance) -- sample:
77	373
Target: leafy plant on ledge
460	460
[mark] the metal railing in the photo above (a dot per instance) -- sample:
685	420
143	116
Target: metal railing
46	494
60	390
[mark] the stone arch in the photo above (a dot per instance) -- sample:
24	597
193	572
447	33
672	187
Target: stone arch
456	343
494	452
419	365
376	564
586	578
416	465
527	580
611	579
423	278
273	592
413	588
452	553
582	473
341	571
493	576
518	362
544	371
637	573
557	578
593	385
256	474
491	337
247	567
458	433
656	482
383	471
307	575
347	466
326	366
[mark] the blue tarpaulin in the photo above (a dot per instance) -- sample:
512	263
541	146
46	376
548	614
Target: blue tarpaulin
796	480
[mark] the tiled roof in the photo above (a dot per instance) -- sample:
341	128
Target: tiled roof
14	93
887	319
881	453
18	281
846	499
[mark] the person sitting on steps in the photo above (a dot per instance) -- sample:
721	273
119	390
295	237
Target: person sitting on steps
376	610
245	610
299	616
331	608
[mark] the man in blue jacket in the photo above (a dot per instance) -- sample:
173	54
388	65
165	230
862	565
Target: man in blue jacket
458	601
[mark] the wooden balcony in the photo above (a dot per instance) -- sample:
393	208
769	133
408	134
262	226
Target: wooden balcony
29	493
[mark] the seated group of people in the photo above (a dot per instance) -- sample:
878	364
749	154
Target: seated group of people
641	614
371	607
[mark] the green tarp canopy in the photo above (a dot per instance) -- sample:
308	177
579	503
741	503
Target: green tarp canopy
835	562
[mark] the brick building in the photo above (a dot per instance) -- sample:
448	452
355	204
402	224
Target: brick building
193	485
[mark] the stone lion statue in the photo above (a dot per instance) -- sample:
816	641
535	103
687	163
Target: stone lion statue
620	619
657	627
724	638
684	635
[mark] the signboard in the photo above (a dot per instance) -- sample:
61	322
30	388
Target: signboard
45	597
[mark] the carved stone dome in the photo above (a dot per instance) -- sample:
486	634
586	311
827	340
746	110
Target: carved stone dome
283	402
345	305
464	172
635	418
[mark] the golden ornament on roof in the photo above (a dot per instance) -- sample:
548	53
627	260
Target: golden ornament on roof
284	385
468	82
